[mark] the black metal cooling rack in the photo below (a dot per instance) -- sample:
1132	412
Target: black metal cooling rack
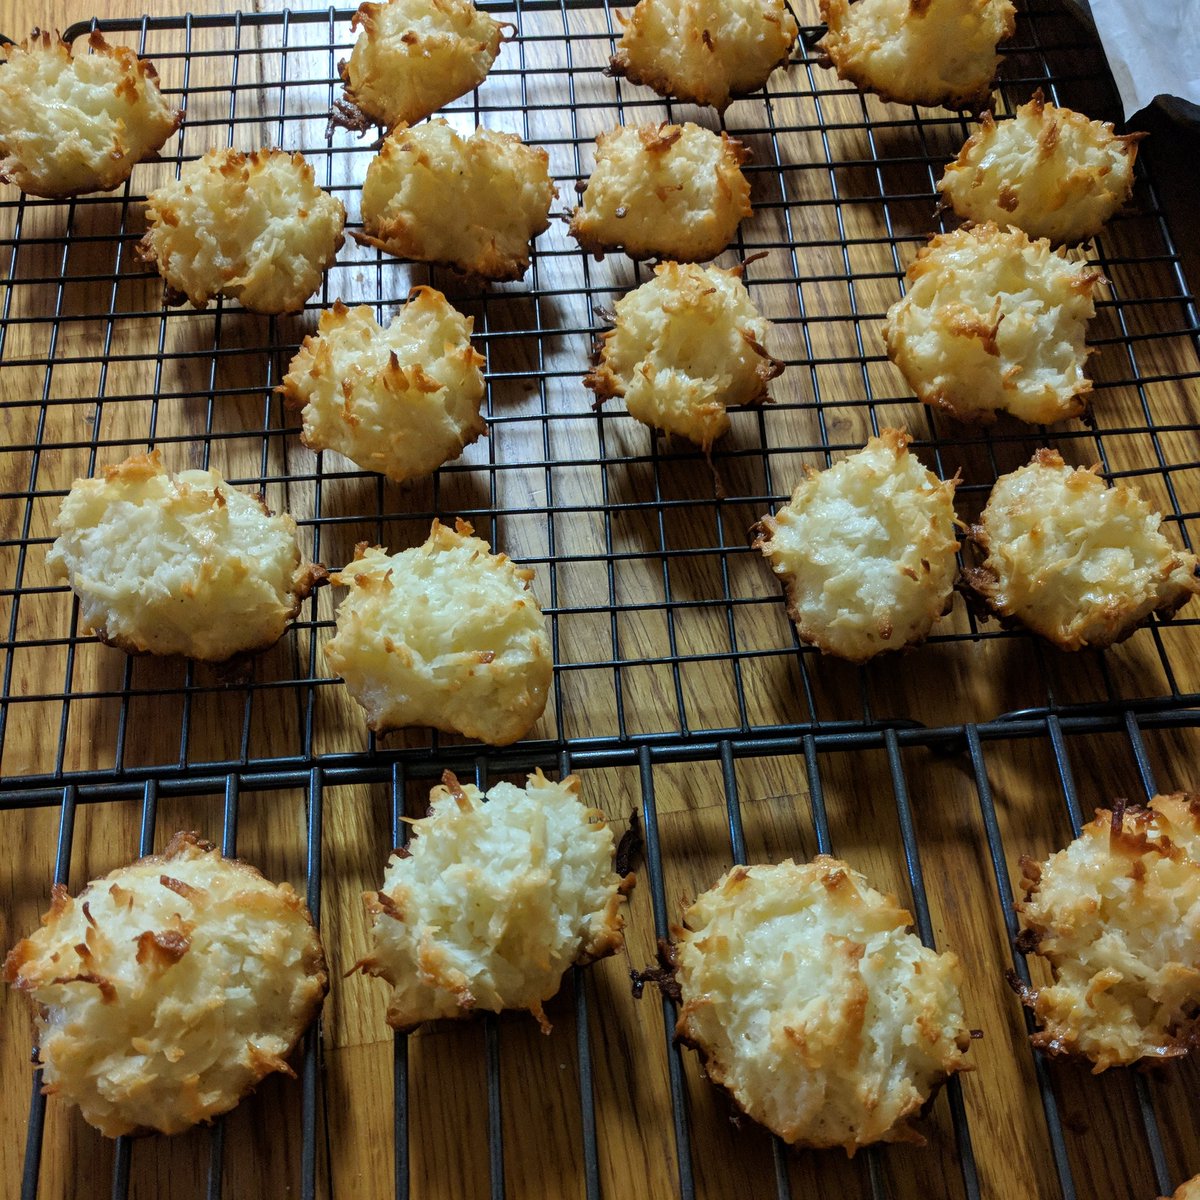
1071	740
642	563
664	623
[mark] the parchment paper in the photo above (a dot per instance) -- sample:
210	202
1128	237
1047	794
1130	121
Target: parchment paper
1153	48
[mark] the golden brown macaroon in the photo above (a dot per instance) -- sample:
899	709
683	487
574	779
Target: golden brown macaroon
1080	563
446	634
683	348
179	564
992	322
928	52
1049	171
401	400
71	124
865	550
474	204
254	227
814	1007
1117	916
412	57
167	990
663	191
531	866
704	51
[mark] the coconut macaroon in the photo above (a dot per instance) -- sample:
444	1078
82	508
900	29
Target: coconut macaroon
253	227
474	203
401	400
414	56
178	564
491	902
683	348
1080	563
704	51
1117	916
167	990
446	634
1049	171
71	124
865	550
812	1004
663	191
992	322
928	52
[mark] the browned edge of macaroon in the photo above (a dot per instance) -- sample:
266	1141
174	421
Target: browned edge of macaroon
305	580
829	55
1128	147
144	68
1129	842
979	585
315	969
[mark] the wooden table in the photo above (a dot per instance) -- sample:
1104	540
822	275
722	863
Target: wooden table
940	685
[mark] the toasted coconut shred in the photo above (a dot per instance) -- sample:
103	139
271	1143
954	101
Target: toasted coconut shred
178	564
928	52
401	400
474	203
1117	916
1049	171
663	191
992	322
254	227
491	902
166	990
813	1006
1076	561
685	347
704	51
71	124
446	634
865	550
412	57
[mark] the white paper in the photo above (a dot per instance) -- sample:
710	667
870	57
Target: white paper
1153	48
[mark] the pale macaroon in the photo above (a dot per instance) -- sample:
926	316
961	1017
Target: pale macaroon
684	347
1049	171
663	191
252	227
1078	562
992	322
446	634
704	51
165	991
865	550
490	903
178	564
1117	917
812	1004
400	400
413	57
928	52
474	203
77	123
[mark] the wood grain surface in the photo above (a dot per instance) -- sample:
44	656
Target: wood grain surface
658	595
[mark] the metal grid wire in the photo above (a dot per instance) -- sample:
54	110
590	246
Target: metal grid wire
1146	1162
665	623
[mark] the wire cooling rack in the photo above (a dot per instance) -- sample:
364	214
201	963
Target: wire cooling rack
1144	1124
680	691
665	623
